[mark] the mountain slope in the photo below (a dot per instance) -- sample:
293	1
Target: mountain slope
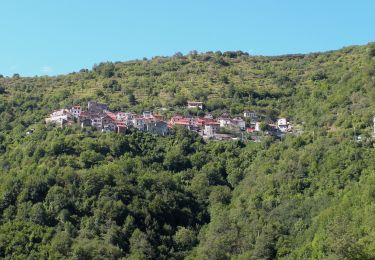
72	193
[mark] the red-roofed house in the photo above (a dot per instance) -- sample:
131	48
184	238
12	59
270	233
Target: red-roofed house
121	128
183	121
250	129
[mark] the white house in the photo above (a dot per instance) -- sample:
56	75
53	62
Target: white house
121	116
257	126
239	123
250	114
224	121
76	111
139	123
195	104
109	122
211	128
100	121
60	117
126	117
97	121
282	124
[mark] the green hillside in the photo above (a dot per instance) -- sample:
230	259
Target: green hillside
78	194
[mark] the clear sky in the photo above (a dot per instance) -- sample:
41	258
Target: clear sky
49	37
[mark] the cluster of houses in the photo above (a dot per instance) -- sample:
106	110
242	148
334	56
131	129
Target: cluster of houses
98	116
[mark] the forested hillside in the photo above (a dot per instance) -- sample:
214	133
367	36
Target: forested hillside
79	194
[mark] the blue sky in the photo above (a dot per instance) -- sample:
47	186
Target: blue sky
49	37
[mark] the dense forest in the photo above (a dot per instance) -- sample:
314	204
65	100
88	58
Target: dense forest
80	194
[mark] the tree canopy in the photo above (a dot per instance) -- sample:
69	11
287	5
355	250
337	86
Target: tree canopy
80	194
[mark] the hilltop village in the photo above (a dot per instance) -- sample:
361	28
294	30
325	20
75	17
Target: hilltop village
225	127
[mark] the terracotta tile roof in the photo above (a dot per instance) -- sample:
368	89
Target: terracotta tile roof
111	115
182	123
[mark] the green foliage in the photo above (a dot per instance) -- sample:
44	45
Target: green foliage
263	126
67	193
371	50
131	99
